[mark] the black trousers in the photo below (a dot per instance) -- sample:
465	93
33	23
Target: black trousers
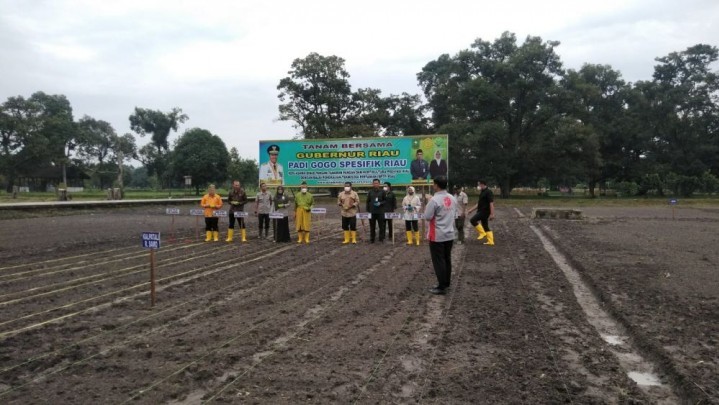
240	221
282	232
441	253
376	218
264	219
481	217
349	223
211	223
411	225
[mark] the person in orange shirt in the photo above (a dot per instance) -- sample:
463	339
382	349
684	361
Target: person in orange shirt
211	202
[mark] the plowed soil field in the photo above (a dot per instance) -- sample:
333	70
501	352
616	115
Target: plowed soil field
286	323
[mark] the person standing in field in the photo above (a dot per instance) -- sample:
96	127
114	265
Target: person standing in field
411	204
462	202
441	211
237	200
304	201
211	202
263	207
485	213
375	206
282	226
390	205
348	200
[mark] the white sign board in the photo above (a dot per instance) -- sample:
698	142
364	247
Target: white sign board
197	212
363	215
240	214
151	240
172	211
219	213
319	210
277	215
392	215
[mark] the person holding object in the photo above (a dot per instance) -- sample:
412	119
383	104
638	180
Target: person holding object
462	201
282	226
411	204
390	205
440	212
348	200
304	201
237	200
485	213
211	202
263	207
375	206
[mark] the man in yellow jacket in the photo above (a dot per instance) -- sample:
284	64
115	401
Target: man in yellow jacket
303	213
211	202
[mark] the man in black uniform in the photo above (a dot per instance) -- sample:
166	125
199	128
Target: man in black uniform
375	206
485	212
390	205
237	200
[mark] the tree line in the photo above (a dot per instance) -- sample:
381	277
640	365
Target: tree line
513	114
516	117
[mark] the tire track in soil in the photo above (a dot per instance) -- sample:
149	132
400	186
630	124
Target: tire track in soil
197	332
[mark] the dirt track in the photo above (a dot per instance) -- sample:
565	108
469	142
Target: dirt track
326	323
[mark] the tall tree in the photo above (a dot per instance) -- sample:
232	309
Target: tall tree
57	127
501	96
21	144
244	170
159	125
685	98
597	97
202	155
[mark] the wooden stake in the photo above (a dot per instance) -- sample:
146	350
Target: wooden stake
152	277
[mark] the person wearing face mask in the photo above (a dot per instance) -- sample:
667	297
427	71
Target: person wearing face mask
375	206
411	205
304	201
282	226
390	205
438	166
441	211
485	213
348	200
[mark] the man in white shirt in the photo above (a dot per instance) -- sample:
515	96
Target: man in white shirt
271	172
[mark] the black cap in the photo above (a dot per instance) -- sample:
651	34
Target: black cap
273	149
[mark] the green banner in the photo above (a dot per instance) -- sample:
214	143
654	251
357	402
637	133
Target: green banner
404	160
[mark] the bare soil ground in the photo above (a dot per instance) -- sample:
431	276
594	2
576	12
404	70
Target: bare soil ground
263	322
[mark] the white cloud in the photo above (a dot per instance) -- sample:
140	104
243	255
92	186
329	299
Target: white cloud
220	61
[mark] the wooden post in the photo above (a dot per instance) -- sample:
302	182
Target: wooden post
152	277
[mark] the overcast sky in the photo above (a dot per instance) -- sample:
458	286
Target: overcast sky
221	60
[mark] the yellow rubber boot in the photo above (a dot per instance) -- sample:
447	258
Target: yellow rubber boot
209	236
480	229
230	235
416	238
300	237
409	237
243	231
216	236
354	236
490	238
307	237
347	238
